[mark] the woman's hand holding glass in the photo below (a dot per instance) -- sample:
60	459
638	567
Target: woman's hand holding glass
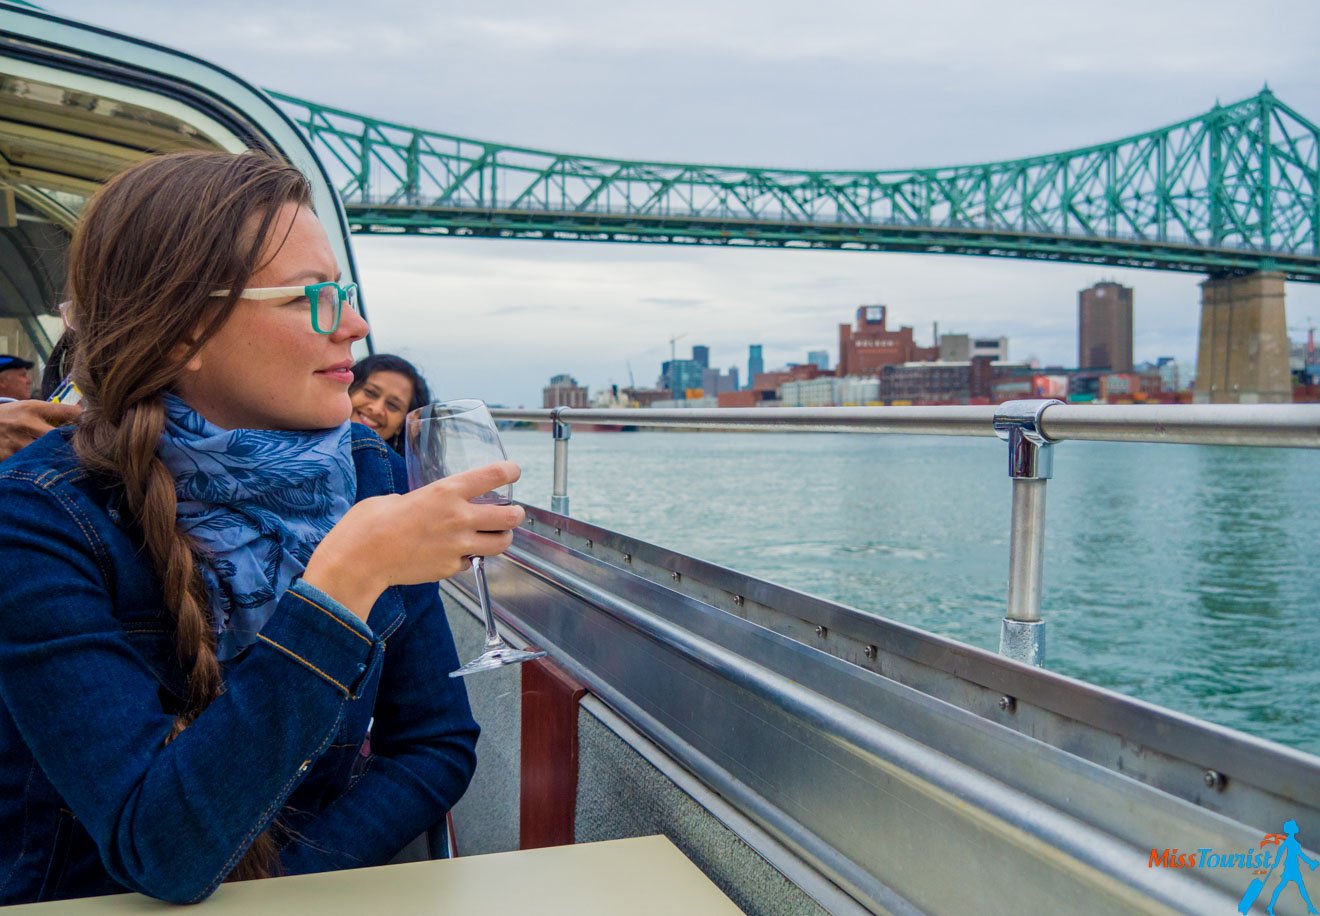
428	534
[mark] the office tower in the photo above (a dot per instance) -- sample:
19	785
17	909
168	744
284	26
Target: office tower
715	383
820	359
680	375
1104	327
701	356
755	365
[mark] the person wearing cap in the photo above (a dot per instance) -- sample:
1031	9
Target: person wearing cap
23	421
15	377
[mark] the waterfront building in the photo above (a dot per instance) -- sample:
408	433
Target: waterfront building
1084	386
748	397
1016	386
770	381
673	403
1300	353
1171	373
816	392
714	382
680	375
962	348
869	346
755	364
939	382
1104	327
935	382
564	391
859	391
819	358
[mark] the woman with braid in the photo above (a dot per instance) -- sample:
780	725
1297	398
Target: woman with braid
192	647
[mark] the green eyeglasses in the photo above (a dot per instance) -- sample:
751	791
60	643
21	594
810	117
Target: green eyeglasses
325	299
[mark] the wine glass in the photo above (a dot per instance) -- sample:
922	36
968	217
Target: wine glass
449	438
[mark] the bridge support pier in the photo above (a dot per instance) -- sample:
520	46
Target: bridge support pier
1243	352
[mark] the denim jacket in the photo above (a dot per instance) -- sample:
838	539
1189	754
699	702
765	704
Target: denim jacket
92	799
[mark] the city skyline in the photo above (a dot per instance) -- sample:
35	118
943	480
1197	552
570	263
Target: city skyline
968	83
583	293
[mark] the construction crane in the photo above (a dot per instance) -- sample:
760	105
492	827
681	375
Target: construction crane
672	353
673	358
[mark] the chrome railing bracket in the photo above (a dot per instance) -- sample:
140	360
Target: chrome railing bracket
562	433
1030	464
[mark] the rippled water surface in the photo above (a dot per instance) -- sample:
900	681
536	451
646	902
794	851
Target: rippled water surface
1187	576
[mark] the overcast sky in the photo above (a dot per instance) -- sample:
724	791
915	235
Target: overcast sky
869	84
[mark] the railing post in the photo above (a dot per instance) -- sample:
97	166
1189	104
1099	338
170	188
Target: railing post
562	432
1030	464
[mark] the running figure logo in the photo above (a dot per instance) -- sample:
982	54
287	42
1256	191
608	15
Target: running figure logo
1290	853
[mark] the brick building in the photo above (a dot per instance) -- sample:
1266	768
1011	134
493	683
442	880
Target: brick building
564	391
870	346
770	381
974	381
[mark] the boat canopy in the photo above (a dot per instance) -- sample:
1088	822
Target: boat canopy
79	104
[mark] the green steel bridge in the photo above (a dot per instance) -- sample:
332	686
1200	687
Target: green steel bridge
1231	191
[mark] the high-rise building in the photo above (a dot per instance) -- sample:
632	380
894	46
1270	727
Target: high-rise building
819	358
715	383
1104	327
755	364
680	375
701	355
564	391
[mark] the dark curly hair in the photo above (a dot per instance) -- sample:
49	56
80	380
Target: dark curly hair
387	362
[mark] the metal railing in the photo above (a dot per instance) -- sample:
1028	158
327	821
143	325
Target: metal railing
1031	428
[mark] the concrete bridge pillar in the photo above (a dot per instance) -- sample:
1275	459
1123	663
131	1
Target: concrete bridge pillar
1243	353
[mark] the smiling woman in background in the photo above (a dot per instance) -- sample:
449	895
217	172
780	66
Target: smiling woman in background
384	389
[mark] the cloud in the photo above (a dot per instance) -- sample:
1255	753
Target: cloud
861	84
674	302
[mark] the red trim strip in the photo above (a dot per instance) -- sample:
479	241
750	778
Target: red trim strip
549	755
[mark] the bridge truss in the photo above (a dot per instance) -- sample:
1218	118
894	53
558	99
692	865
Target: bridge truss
1230	191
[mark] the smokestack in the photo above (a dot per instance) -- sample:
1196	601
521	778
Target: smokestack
936	333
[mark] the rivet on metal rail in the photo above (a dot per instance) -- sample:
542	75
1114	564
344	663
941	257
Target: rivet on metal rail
1215	780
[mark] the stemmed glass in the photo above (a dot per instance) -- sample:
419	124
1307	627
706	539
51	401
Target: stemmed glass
449	438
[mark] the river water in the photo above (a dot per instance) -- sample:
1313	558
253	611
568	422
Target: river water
1187	576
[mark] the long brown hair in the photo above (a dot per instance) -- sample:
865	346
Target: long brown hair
150	248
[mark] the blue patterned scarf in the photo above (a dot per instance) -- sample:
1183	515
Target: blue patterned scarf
257	502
